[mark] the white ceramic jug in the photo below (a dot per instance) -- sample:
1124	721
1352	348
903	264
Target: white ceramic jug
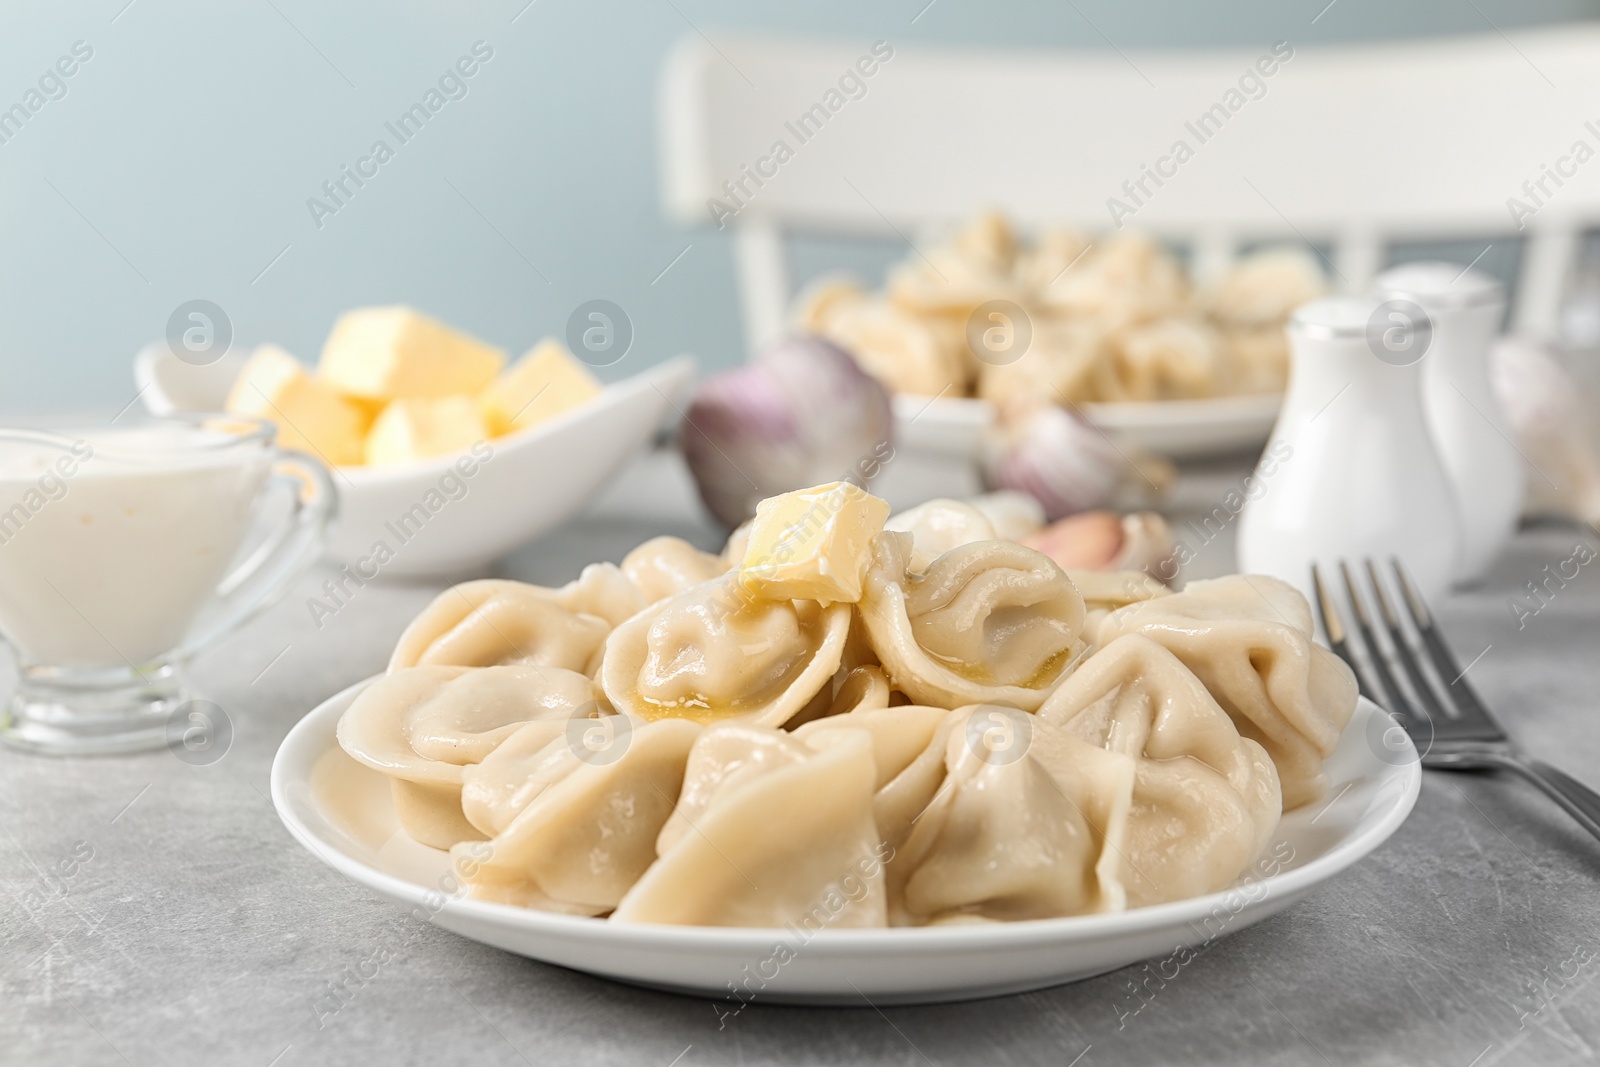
1359	477
1469	429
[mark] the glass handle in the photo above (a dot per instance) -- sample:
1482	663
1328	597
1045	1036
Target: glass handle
265	576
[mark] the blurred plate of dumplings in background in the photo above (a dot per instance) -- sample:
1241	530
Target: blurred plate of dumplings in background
1111	326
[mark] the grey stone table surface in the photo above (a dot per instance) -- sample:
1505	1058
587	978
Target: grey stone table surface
158	913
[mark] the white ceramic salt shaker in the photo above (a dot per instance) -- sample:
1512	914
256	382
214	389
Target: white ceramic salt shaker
1357	475
1469	428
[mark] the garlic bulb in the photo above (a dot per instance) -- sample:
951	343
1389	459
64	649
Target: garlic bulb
1554	418
1062	462
801	413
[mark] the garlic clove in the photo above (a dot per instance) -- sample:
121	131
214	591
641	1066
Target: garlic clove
1090	541
1106	541
1147	544
1554	417
1055	457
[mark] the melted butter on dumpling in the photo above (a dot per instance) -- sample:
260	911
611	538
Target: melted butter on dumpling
714	652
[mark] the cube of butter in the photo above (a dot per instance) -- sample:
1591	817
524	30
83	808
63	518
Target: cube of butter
393	353
813	544
539	386
415	429
309	415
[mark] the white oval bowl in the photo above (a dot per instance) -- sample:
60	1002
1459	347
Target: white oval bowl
532	481
1178	429
1375	779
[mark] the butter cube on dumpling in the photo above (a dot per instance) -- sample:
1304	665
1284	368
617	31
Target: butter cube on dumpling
390	353
813	544
409	430
539	386
309	414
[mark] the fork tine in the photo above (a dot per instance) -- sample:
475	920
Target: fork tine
1398	704
1402	647
1338	639
1465	698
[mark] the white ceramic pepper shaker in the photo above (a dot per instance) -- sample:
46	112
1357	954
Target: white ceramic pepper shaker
1359	477
1469	429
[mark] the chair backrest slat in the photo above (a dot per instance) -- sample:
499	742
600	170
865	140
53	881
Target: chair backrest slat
1350	147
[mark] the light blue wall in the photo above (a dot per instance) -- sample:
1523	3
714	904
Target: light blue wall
179	162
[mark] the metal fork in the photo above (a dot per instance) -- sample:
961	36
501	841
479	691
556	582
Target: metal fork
1444	717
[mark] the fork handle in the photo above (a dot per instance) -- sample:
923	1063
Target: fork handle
1578	799
1573	797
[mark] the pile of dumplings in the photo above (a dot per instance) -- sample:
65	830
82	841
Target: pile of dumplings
893	725
1111	320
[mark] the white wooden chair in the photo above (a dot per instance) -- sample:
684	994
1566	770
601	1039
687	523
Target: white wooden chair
1350	147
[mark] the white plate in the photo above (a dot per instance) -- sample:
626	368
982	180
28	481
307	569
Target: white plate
533	480
1375	778
1179	429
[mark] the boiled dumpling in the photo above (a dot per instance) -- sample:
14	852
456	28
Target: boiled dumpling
737	545
492	621
990	621
1019	827
1205	800
953	277
1055	254
601	590
1126	281
821	297
1257	358
715	652
1264	288
422	726
1013	513
1250	307
908	748
536	756
1059	366
1115	589
1248	638
1106	591
862	688
663	566
939	525
905	352
589	833
1170	359
770	830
